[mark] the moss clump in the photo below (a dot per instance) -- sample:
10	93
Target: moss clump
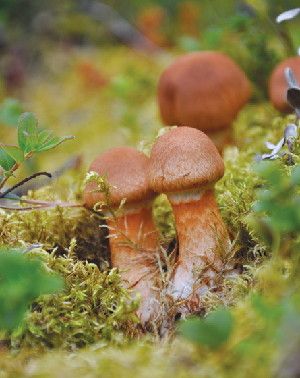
57	227
142	359
94	307
236	191
252	346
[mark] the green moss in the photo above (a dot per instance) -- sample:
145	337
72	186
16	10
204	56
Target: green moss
252	347
236	192
56	228
94	307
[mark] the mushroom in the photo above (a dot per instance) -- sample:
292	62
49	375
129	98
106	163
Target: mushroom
90	76
150	22
278	85
133	238
204	90
185	164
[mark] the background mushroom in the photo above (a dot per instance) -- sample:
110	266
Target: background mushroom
278	85
204	90
133	238
185	164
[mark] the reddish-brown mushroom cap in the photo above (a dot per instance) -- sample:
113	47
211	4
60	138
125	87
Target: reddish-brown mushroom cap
125	170
204	90
278	85
184	158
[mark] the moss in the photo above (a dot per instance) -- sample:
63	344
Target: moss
56	228
94	307
236	192
250	348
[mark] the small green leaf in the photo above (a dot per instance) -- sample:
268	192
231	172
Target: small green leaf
212	332
14	152
47	140
28	132
33	139
22	280
6	161
10	111
270	171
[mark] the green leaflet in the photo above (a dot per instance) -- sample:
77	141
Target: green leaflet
9	156
279	198
10	110
14	152
33	139
212	332
6	161
21	281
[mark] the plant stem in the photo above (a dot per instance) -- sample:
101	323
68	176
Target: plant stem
40	205
3	194
13	169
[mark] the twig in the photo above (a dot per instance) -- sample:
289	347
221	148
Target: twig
12	170
72	163
3	194
41	205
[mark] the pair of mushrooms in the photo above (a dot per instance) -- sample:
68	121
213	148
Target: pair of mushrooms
184	164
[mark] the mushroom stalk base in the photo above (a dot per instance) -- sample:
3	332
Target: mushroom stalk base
221	138
133	244
203	240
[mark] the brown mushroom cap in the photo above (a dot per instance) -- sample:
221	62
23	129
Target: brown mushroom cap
278	85
125	169
204	90
184	158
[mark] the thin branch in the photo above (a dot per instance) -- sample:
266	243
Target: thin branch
3	194
40	205
51	203
72	163
9	174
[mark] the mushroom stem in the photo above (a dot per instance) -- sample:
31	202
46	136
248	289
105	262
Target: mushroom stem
133	243
221	138
203	241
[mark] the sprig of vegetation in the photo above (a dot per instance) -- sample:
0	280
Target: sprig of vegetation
31	140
